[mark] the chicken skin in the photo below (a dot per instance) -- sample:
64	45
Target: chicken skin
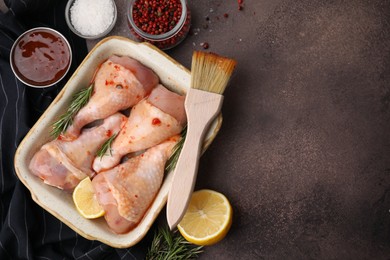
119	83
151	121
127	191
64	164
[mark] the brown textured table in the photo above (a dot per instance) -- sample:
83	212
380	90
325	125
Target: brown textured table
304	151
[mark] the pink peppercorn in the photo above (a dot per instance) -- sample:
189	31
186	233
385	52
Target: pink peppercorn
157	16
205	45
240	3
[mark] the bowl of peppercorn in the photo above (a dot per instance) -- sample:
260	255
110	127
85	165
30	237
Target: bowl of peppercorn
162	23
91	19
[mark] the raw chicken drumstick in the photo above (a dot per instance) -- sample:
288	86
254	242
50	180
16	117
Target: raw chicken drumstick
120	83
151	121
127	191
64	164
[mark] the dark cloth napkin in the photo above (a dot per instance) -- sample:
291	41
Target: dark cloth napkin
26	230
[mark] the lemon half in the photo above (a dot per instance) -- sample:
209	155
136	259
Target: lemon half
85	200
207	219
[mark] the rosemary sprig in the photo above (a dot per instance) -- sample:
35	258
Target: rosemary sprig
106	146
79	100
171	163
167	245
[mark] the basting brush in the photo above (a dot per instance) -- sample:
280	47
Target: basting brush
210	74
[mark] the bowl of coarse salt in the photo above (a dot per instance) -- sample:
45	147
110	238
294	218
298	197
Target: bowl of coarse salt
91	19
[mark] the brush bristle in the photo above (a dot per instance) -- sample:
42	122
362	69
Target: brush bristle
211	72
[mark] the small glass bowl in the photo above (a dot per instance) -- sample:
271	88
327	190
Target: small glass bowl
40	57
90	37
166	40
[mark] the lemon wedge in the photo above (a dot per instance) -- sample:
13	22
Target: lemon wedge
207	219
85	200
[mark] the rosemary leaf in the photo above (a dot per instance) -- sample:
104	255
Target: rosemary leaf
106	147
79	100
167	245
171	163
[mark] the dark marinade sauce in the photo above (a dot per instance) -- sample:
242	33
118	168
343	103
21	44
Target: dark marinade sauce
41	57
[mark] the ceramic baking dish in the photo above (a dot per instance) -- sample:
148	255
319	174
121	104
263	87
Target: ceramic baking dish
59	203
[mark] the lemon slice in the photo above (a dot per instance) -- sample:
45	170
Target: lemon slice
208	218
85	200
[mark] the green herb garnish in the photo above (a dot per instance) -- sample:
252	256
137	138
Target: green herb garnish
172	161
167	245
79	100
106	147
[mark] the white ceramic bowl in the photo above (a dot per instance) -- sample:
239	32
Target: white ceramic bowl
59	203
68	19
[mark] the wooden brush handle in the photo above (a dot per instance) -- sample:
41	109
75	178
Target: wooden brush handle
201	108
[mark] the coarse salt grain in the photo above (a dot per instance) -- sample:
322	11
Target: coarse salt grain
92	17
